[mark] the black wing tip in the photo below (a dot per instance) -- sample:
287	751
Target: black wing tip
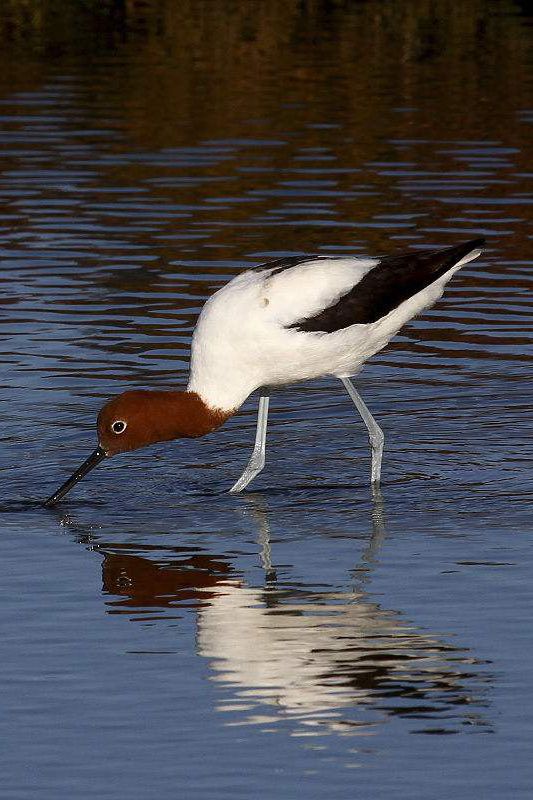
459	251
443	257
464	248
476	244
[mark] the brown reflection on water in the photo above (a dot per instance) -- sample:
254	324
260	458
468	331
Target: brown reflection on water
230	59
179	578
190	139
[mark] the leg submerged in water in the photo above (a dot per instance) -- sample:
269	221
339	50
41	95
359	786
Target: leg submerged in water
257	460
375	434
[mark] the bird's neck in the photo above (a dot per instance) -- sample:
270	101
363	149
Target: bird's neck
221	382
176	414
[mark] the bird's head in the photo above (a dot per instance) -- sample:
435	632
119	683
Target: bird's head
137	419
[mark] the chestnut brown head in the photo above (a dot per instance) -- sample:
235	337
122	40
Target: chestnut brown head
138	418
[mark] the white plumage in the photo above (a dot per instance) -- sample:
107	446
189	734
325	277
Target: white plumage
242	340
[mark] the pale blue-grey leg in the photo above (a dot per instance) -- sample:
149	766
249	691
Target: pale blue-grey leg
375	434
257	461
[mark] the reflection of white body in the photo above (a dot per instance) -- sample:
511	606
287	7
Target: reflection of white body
309	660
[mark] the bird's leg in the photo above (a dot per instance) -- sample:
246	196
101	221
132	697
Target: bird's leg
375	434
257	460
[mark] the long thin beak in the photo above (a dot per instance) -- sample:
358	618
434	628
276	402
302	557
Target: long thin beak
94	459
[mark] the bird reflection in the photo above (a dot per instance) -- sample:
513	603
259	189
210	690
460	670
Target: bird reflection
181	578
311	656
329	661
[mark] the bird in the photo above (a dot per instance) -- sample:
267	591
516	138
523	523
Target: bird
289	320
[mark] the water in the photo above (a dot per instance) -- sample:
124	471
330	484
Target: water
158	636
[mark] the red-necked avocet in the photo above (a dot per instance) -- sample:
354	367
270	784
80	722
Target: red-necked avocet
290	320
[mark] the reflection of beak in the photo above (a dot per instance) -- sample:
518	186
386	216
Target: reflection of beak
98	455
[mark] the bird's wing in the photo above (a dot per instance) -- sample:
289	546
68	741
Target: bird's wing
297	288
386	285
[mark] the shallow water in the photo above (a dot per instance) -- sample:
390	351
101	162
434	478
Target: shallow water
160	637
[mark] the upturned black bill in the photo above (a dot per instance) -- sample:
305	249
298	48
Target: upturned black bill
94	459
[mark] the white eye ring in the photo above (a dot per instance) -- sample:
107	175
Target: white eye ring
119	426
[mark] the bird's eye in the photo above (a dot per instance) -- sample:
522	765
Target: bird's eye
119	426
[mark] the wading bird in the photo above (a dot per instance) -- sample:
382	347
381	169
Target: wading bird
290	320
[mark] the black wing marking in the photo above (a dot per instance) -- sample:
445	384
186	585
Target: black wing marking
393	280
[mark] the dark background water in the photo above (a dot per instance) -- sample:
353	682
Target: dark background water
159	637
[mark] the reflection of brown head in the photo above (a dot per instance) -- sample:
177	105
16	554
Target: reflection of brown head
141	582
